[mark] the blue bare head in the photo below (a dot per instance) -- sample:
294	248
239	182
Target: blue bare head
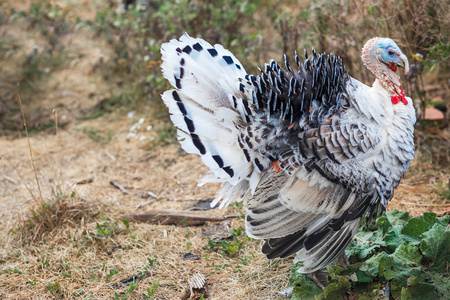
387	52
390	54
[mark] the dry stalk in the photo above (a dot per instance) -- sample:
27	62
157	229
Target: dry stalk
31	153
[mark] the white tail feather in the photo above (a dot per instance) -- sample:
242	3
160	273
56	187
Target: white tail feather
205	78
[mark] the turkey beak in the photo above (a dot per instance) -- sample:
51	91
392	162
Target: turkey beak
404	63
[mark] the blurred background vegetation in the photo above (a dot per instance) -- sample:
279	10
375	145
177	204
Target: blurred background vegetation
254	30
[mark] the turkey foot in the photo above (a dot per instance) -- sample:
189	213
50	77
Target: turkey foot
318	277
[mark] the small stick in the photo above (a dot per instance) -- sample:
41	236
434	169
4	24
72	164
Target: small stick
85	181
10	179
145	203
232	216
172	217
113	158
118	186
424	204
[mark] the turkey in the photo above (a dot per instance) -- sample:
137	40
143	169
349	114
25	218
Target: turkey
310	150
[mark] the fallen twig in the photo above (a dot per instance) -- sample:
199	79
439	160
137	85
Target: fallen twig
232	216
85	181
145	203
172	217
121	188
425	204
10	179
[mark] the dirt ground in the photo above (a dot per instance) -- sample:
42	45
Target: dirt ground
82	159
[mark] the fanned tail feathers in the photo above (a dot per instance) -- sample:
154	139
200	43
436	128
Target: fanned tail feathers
206	79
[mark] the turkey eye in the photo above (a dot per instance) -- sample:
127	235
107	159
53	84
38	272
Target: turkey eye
391	52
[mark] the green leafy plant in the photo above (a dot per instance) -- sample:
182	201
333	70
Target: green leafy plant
230	247
11	271
113	271
55	289
407	256
133	285
151	292
127	225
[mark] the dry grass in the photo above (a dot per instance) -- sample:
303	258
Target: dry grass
75	242
70	261
70	241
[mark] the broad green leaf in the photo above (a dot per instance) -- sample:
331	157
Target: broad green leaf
385	267
383	223
435	246
445	220
392	238
441	282
429	218
302	292
365	243
419	290
362	277
304	288
408	253
396	287
339	287
398	218
371	266
413	230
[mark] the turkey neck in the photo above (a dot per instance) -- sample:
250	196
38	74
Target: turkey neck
388	79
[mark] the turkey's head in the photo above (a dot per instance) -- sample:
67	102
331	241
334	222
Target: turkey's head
382	57
389	53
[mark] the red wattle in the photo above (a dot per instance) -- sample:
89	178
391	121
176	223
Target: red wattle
395	99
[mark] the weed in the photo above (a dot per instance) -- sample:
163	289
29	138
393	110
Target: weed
12	271
151	262
113	271
127	293
55	289
165	135
136	35
127	225
230	248
151	292
107	105
444	189
79	292
32	282
33	69
106	229
48	215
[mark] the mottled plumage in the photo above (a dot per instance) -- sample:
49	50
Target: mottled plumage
310	150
